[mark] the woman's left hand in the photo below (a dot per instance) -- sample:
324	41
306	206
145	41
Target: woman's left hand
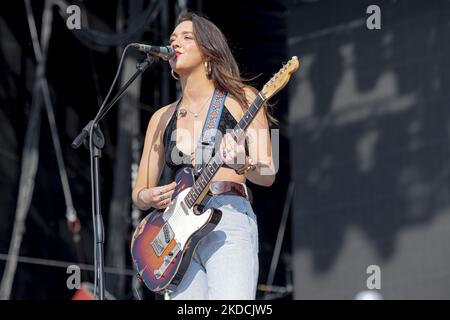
231	152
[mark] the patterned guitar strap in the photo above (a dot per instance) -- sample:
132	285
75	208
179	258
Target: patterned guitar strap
207	140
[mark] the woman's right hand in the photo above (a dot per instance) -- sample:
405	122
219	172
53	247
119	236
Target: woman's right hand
157	197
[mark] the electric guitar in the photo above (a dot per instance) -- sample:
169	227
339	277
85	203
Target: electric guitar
165	240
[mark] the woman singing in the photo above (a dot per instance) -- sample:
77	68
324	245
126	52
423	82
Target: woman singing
225	263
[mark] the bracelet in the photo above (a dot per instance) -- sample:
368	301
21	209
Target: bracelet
249	165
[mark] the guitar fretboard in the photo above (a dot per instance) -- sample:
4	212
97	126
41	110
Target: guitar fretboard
211	168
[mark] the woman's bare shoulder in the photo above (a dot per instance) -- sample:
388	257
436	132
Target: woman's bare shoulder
164	113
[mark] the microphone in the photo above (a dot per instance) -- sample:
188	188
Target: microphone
165	53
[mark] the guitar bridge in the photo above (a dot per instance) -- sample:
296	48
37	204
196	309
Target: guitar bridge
166	261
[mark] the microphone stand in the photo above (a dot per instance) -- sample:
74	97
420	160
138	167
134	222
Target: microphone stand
92	138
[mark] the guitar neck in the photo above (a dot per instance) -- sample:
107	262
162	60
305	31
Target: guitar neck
215	162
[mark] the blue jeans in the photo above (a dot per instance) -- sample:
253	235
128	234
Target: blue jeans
225	264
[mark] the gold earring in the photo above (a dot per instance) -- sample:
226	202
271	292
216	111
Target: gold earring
174	75
208	68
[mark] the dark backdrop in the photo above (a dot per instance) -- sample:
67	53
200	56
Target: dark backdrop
370	137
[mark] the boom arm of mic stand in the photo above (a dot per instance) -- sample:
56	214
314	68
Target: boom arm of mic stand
141	67
82	136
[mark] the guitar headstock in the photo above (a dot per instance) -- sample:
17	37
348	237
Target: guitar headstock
281	78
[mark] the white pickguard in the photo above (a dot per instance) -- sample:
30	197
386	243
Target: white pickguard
184	222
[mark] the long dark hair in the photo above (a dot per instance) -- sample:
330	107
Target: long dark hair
224	69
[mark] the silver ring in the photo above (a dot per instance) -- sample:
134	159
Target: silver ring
160	191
